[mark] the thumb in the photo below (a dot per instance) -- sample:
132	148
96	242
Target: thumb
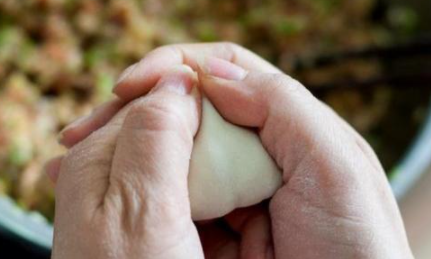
282	109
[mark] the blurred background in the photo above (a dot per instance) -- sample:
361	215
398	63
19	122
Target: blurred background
368	59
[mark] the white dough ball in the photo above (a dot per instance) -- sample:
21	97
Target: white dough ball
229	168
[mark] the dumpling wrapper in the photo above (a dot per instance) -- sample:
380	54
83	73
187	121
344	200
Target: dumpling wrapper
229	168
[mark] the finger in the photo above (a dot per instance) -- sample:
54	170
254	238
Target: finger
238	218
140	77
324	169
83	127
248	227
218	241
253	226
285	112
256	238
243	92
52	168
148	180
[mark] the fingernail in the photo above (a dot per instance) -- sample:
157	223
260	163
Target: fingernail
223	69
126	73
72	125
178	83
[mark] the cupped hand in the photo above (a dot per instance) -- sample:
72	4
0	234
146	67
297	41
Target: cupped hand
335	201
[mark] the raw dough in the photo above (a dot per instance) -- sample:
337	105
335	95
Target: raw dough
229	168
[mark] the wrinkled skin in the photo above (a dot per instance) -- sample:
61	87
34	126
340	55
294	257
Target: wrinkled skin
121	189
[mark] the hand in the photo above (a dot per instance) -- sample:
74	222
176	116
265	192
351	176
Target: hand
335	202
122	191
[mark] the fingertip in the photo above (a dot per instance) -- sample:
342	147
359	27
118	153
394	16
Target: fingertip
236	102
180	79
135	81
84	126
126	78
70	137
143	80
126	73
212	86
184	71
52	168
73	132
222	68
140	79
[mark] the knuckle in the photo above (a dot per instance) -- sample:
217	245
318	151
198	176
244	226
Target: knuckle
276	84
155	114
276	80
162	50
282	81
231	49
284	86
231	45
154	52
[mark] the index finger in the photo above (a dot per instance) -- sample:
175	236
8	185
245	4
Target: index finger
139	78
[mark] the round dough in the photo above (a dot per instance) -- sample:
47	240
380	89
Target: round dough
229	168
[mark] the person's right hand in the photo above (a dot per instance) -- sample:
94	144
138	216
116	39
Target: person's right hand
335	201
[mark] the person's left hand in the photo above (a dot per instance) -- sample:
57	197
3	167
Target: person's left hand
122	191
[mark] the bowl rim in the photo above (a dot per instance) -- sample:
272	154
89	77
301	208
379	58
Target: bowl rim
415	163
27	226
